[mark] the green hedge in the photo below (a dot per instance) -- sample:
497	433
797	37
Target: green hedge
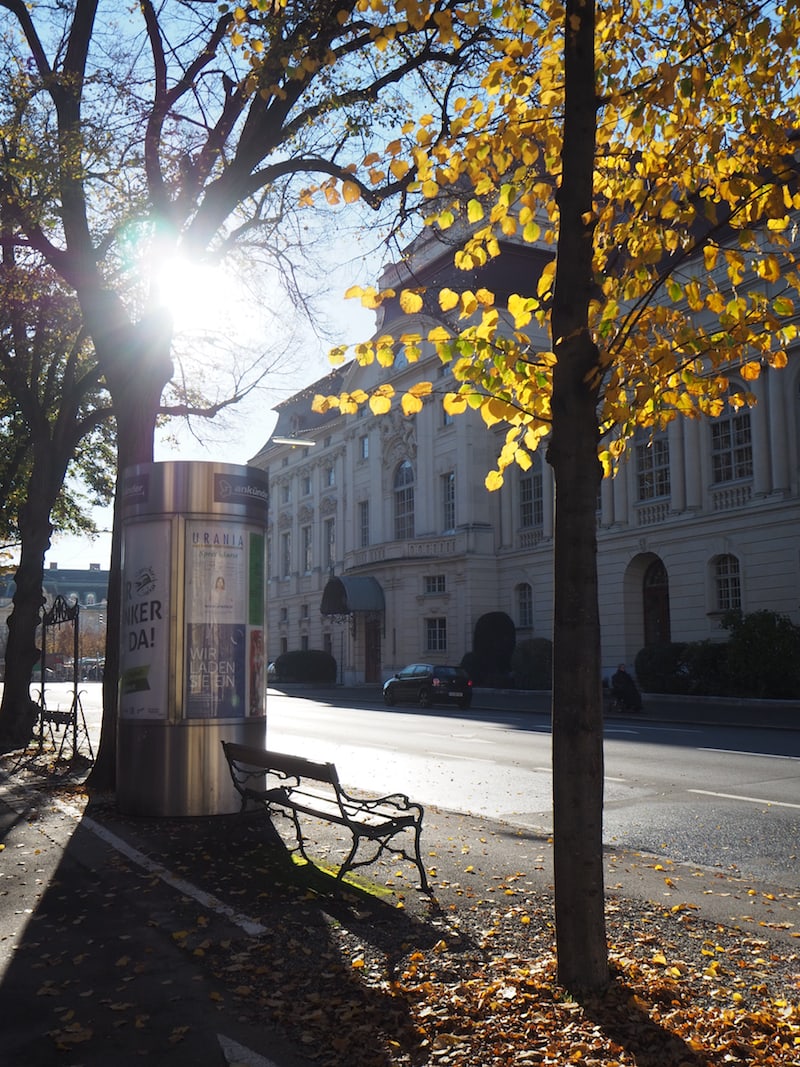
306	665
760	659
532	664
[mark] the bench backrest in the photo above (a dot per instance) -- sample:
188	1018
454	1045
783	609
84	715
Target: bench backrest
280	762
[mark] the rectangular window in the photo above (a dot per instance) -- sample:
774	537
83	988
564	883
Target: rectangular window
731	449
304	611
304	642
329	546
434	583
330	476
729	586
531	500
448	483
308	549
363	523
286	554
652	469
286	493
436	635
525	605
306	484
363	447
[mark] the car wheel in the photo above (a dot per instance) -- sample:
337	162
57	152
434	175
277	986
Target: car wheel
388	697
425	700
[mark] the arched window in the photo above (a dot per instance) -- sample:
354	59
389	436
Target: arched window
404	502
727	583
524	605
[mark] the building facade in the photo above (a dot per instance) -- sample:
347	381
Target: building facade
386	548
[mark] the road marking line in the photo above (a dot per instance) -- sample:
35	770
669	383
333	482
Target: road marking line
750	800
250	926
469	759
757	755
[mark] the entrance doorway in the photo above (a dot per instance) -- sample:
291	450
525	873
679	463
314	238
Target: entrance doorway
372	650
655	603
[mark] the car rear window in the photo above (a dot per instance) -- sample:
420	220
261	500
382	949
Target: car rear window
451	674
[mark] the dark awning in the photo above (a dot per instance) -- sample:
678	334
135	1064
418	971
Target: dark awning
346	595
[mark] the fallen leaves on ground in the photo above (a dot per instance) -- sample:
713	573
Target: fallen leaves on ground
381	978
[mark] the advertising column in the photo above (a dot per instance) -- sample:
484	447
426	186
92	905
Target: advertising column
192	656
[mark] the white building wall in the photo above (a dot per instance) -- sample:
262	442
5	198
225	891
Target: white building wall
488	555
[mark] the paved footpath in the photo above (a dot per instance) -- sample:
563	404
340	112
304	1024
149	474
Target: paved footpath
105	921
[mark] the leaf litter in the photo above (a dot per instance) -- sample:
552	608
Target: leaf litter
356	975
375	974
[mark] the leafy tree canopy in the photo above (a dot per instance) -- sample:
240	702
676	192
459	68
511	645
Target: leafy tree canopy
693	223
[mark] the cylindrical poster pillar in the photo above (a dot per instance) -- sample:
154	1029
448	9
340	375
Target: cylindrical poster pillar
193	641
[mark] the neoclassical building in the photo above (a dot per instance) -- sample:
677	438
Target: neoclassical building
385	547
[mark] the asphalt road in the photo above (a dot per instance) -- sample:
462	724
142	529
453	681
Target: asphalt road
721	796
681	782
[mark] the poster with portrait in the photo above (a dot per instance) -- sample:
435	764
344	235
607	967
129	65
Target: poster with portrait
222	645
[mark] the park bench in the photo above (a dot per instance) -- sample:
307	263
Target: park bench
295	786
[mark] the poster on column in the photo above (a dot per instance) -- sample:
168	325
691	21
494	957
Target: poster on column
144	637
223	646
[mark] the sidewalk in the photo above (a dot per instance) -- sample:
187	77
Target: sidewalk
193	941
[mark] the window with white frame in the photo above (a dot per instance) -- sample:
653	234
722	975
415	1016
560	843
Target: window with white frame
731	448
363	447
286	493
727	582
435	583
436	635
286	554
448	483
308	549
305	484
531	496
652	469
404	502
525	605
363	523
330	475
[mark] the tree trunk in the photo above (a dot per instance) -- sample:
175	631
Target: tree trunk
577	694
137	367
18	712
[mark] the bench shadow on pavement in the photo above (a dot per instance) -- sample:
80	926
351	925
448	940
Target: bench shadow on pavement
109	937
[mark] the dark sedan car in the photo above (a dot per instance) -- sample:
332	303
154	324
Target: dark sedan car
425	684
